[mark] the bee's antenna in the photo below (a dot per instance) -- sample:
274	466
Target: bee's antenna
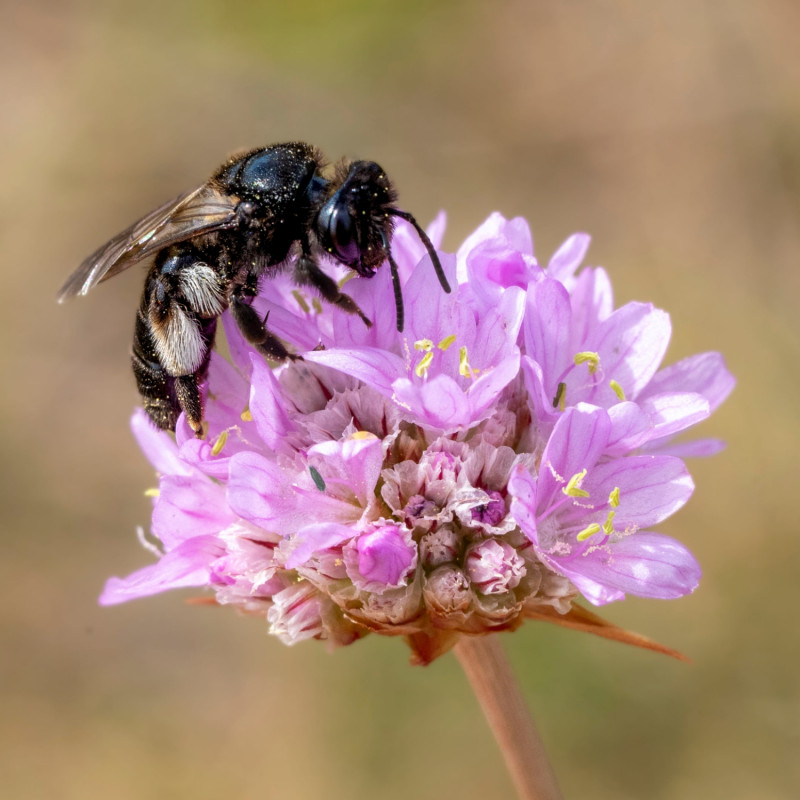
437	265
398	293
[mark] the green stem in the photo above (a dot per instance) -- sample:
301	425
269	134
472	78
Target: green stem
489	673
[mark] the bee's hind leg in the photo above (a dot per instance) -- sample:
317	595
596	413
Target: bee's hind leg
175	329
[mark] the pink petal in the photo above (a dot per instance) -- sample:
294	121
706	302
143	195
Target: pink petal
631	344
268	407
697	448
652	488
630	428
704	373
186	565
644	564
158	446
376	368
673	412
578	440
568	257
313	538
188	507
547	323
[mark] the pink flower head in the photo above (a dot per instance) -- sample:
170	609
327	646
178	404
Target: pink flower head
510	449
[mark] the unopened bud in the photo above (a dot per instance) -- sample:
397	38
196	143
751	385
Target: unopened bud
494	566
440	547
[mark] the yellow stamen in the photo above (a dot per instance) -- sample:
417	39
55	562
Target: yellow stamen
362	435
613	498
572	489
219	444
592	360
152	493
422	368
608	525
463	364
589	530
301	300
317	304
246	416
423	344
617	390
446	342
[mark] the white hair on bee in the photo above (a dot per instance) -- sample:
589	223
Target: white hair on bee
179	342
201	288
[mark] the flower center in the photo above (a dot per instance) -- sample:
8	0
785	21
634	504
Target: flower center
426	346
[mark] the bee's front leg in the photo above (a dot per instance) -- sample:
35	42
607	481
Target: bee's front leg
308	273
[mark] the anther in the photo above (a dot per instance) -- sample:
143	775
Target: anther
152	493
617	390
559	399
592	360
319	482
446	342
613	498
422	368
423	344
246	416
572	489
359	435
301	301
463	364
219	443
608	525
589	530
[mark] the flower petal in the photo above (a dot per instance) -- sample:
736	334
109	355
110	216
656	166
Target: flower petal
631	344
704	373
186	565
158	446
652	488
566	260
673	412
548	316
644	564
578	440
313	538
187	507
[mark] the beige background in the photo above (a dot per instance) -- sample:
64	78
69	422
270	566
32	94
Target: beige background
670	131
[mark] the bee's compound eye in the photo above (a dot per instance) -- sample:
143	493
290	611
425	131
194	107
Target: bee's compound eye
339	232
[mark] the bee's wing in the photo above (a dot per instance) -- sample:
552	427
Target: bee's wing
201	210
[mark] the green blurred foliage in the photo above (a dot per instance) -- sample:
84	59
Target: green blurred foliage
671	132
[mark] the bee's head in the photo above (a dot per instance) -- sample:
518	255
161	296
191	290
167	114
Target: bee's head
354	224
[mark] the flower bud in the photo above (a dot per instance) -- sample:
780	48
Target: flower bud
447	594
296	613
440	547
381	559
494	566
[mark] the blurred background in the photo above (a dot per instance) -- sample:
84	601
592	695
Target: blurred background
669	131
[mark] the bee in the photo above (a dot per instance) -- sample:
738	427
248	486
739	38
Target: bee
209	248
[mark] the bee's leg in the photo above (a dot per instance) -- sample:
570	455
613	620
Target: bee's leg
156	386
308	273
253	327
174	335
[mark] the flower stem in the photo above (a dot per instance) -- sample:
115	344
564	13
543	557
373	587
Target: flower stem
487	668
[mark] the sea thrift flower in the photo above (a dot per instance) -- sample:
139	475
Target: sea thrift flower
508	451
